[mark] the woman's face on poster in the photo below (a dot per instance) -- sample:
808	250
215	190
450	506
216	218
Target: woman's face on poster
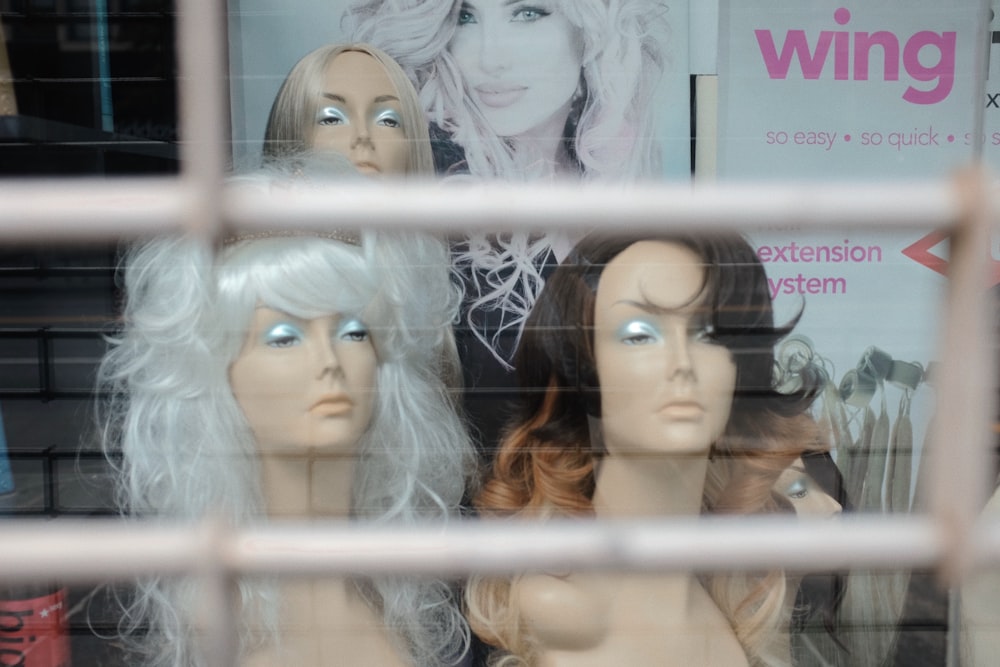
521	62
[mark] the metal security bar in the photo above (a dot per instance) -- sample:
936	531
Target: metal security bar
950	537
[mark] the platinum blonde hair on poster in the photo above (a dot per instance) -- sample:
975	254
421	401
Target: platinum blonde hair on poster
615	126
182	449
292	120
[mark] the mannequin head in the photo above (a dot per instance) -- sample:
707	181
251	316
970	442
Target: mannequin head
734	314
354	100
771	476
666	385
804	493
694	311
187	378
303	379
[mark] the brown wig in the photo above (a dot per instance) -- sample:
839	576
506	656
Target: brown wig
546	463
548	459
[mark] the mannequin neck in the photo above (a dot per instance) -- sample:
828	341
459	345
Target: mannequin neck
644	485
304	485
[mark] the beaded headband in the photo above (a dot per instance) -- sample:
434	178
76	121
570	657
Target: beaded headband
348	236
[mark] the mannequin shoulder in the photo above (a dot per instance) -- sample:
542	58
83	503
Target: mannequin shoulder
563	612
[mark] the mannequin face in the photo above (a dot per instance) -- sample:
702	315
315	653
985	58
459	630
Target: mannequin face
804	493
665	385
359	115
305	384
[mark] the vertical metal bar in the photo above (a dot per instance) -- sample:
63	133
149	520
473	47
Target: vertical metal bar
201	49
220	609
966	404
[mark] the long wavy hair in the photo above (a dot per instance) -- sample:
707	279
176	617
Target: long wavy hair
292	120
186	450
609	129
742	483
547	461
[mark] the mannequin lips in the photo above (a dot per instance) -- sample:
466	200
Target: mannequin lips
499	95
332	405
367	168
683	410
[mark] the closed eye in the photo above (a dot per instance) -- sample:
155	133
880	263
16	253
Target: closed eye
389	118
638	333
353	330
701	329
797	491
283	335
331	116
704	334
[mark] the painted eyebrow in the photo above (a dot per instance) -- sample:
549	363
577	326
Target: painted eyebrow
378	100
647	307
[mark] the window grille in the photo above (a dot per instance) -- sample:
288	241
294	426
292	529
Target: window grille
949	537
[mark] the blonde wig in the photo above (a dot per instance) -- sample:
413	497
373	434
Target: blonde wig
292	120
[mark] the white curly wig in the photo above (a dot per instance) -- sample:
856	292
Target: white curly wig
183	449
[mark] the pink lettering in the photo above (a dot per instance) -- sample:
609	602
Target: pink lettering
943	70
795	44
852	57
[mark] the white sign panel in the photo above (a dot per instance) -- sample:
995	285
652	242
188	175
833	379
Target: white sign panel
834	90
840	90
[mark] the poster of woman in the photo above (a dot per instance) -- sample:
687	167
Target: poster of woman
521	91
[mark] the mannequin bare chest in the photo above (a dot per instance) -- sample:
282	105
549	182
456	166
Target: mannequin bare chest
325	622
602	619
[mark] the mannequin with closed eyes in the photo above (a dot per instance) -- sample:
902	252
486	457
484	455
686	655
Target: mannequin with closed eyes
295	376
354	100
653	355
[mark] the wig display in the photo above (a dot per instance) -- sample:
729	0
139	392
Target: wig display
293	120
552	459
187	450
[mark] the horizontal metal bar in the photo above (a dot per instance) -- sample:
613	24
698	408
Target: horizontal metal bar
127	208
74	210
490	207
96	550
